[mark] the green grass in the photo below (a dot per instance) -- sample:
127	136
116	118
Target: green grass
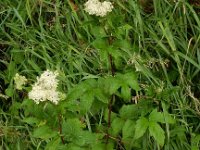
160	46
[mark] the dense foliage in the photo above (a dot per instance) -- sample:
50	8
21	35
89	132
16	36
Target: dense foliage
130	79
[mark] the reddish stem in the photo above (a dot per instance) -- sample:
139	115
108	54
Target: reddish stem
112	66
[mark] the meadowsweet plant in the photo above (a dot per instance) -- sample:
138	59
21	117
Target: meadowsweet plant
123	75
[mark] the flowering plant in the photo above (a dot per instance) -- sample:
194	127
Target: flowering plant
95	74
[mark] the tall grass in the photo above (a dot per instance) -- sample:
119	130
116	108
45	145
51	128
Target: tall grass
161	44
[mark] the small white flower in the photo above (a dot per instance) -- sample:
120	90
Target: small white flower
95	7
45	88
19	81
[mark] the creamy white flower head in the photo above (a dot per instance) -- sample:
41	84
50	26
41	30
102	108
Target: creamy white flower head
19	81
45	88
37	94
53	96
48	79
91	6
95	7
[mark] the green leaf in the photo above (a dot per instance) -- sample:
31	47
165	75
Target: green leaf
114	52
127	27
195	142
126	93
118	61
145	106
81	97
15	107
179	132
103	54
76	92
72	127
141	127
156	116
98	31
100	43
72	146
117	125
114	84
85	138
129	111
168	118
122	44
44	132
100	95
86	101
128	129
31	120
54	144
117	56
109	146
98	146
161	117
97	107
157	132
130	79
73	132
113	115
10	90
125	81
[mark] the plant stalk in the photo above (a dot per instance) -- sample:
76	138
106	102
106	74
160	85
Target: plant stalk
112	67
60	128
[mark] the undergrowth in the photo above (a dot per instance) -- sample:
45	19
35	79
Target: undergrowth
130	79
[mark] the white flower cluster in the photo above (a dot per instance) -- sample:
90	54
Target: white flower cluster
45	88
19	81
95	7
